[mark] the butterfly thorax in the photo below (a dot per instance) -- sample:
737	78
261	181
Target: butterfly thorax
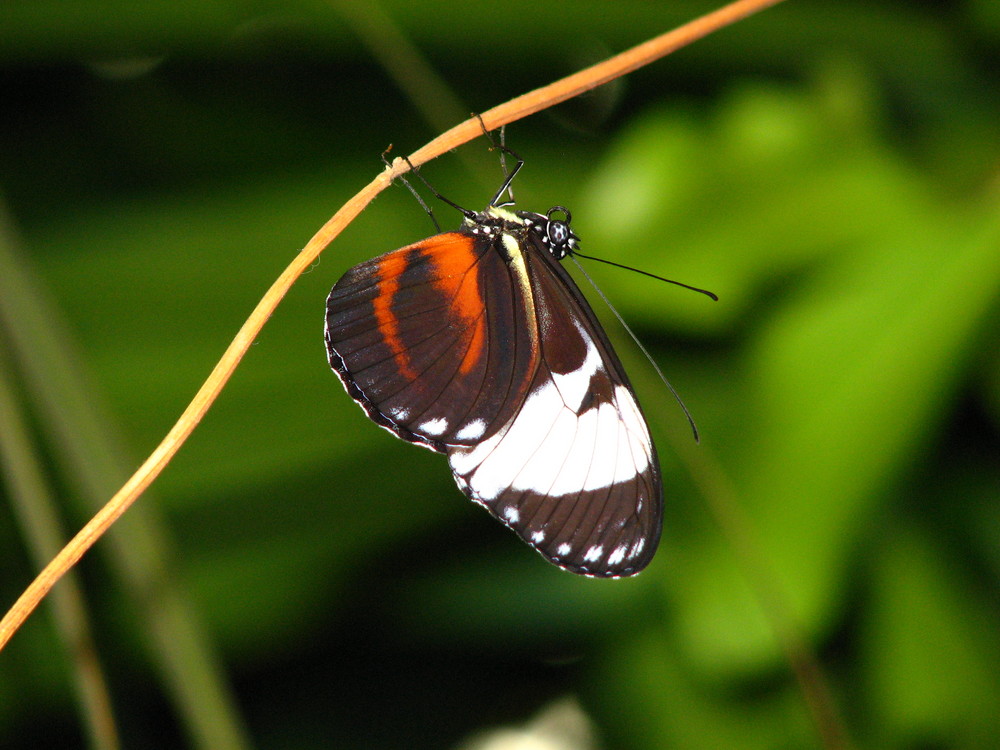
554	234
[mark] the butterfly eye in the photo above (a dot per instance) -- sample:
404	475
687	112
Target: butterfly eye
560	237
558	233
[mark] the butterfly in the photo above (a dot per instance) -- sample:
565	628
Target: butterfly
478	344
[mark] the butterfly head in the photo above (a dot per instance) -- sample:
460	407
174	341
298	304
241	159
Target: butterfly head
555	232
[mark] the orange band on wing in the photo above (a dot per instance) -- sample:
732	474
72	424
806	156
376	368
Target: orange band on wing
475	350
456	266
389	272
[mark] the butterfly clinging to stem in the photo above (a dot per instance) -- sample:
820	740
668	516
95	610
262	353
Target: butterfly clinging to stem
478	344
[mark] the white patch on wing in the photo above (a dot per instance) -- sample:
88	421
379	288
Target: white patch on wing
575	385
511	514
637	548
550	450
582	453
399	413
538	537
433	426
471	431
632	418
617	554
555	434
492	465
564	549
594	553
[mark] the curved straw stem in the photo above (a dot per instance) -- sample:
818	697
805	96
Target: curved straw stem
510	111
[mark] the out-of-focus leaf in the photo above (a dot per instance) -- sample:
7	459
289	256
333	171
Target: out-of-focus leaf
849	377
849	370
648	671
931	653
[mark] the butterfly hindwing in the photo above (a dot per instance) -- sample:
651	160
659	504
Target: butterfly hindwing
575	473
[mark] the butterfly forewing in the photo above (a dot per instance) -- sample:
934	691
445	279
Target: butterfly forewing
427	340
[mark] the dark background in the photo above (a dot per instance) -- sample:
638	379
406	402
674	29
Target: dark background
302	579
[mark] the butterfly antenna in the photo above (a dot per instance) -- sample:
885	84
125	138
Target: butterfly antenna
676	395
707	293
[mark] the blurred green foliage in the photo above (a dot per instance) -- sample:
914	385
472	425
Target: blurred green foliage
829	169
